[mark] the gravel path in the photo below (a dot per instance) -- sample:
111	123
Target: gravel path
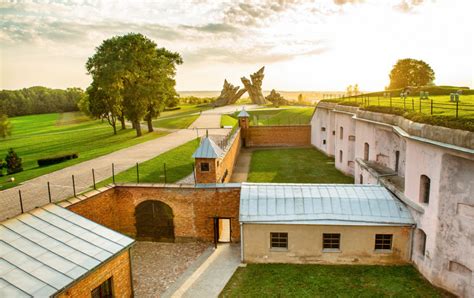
157	265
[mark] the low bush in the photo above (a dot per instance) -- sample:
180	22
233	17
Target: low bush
172	109
56	159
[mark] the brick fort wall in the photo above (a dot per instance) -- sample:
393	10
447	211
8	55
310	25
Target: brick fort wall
278	136
193	208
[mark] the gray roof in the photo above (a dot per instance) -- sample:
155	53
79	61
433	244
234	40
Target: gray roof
208	149
243	113
340	204
47	249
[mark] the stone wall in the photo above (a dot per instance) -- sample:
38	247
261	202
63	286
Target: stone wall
278	136
117	268
193	208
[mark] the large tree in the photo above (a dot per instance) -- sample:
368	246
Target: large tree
411	72
134	75
5	126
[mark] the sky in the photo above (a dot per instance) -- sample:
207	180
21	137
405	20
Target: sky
304	45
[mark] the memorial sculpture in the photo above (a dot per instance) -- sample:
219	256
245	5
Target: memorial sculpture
230	93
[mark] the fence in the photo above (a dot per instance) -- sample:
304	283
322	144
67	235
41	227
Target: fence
270	120
425	106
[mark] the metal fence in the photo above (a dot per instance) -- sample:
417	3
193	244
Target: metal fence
426	106
269	120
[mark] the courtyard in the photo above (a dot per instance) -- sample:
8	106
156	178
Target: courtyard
294	165
290	280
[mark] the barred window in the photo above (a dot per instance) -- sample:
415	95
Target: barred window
331	241
383	241
279	240
204	167
104	290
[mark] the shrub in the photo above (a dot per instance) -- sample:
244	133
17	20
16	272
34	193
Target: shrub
56	159
171	109
13	162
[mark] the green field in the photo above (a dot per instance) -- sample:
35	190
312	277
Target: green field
298	165
181	118
40	136
280	116
179	164
289	280
227	120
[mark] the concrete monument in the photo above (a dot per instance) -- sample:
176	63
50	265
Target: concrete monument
254	86
229	94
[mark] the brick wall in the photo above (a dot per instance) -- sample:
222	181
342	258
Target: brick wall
228	162
278	136
118	268
193	209
206	176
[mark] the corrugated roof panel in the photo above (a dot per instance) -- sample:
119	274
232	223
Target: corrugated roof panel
47	249
313	203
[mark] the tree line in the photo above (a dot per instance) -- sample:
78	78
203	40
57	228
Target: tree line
39	100
132	79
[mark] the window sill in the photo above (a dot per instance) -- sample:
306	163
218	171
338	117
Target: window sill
278	249
331	250
383	251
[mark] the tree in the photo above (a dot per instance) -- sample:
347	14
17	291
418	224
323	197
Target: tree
410	72
356	89
2	166
5	126
13	162
300	98
101	105
275	98
349	90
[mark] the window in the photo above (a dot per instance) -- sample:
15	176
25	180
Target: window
383	241
104	290
421	242
331	241
341	132
279	240
425	183
397	160
361	179
204	167
366	151
340	156
323	128
333	132
324	142
352	138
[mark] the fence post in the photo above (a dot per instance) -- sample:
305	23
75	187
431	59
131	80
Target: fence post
412	104
73	186
431	107
457	108
390	102
420	105
378	100
138	174
194	173
49	192
113	173
164	168
93	178
21	201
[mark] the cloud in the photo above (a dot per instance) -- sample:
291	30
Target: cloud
342	2
407	6
214	28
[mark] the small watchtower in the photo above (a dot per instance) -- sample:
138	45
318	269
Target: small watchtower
244	123
206	161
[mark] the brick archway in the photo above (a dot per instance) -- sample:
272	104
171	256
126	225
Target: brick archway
154	221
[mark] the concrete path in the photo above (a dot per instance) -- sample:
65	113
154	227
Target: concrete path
242	166
211	277
34	192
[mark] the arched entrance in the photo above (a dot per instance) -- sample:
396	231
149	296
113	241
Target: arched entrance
154	221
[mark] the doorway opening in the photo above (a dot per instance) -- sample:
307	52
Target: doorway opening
222	230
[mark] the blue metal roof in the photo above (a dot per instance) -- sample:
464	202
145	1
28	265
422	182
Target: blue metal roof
208	149
45	250
243	113
339	204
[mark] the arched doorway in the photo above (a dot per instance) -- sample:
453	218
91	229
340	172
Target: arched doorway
154	221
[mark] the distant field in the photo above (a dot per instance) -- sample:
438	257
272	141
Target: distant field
291	280
295	165
39	136
283	116
179	164
179	119
291	95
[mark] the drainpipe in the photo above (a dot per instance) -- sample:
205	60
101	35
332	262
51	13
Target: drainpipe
241	242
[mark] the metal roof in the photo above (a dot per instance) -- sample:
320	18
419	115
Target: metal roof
243	113
339	204
47	249
208	149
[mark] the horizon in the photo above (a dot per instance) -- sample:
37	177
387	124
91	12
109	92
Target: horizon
303	45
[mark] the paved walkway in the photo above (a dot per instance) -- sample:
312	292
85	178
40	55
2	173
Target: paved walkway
242	166
35	191
211	277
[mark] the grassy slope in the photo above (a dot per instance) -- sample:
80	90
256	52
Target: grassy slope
227	120
179	164
179	119
305	165
38	136
287	280
285	116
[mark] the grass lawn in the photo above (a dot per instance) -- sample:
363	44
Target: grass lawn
39	136
227	120
179	119
289	280
296	165
283	116
179	164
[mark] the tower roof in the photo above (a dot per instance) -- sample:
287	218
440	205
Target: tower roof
208	149
243	113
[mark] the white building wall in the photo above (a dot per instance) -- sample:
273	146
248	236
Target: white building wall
344	143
